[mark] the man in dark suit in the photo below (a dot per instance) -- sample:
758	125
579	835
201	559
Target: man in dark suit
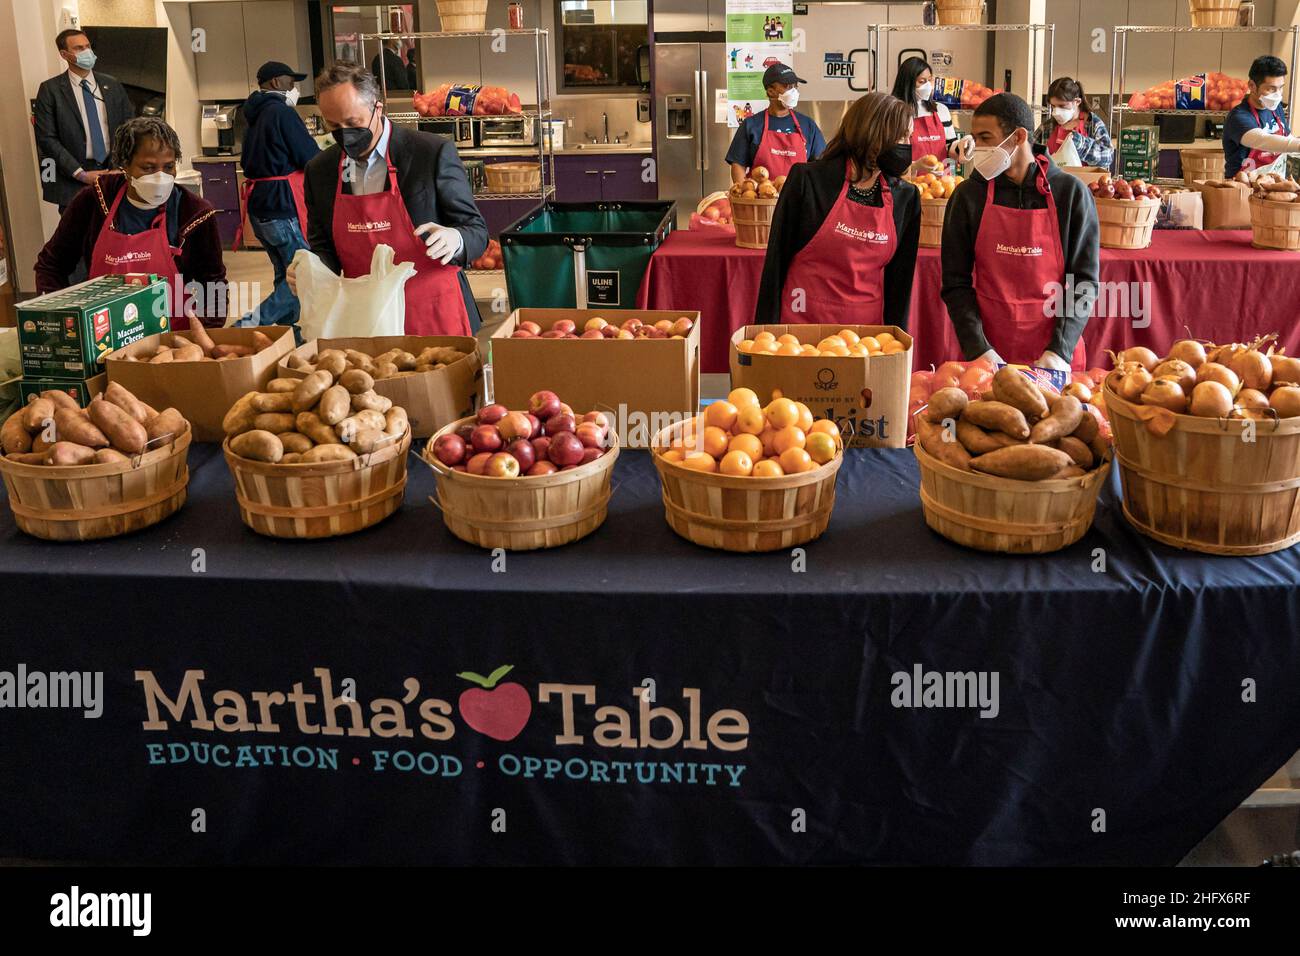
396	74
77	113
429	218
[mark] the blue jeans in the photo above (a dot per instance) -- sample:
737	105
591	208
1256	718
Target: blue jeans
281	238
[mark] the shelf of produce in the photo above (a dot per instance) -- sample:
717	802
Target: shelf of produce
410	116
1205	30
1155	112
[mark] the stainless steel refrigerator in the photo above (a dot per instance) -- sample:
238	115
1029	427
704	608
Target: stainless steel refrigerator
689	70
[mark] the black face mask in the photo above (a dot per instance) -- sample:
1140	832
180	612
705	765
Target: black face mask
353	140
895	160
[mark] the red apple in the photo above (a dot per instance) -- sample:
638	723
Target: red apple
652	332
610	331
479	462
682	327
596	322
625	334
552	334
486	438
541	447
523	451
560	423
502	465
542	468
631	324
590	434
522	334
565	449
491	414
465	433
515	425
597	418
532	327
664	325
566	410
568	468
536	423
544	404
449	449
591	334
563	325
461	468
591	454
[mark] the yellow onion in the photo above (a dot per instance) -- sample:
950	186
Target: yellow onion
1188	350
1286	401
1177	369
1165	393
1223	354
1253	368
1132	384
1211	400
1252	398
1214	372
1285	369
1140	354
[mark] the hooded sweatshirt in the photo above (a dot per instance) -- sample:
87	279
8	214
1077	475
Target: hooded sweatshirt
276	144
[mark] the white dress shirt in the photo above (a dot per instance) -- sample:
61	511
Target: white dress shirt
373	176
100	107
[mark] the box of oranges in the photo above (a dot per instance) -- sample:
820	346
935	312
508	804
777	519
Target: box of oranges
857	376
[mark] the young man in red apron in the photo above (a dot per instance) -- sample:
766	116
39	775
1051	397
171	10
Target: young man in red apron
1009	264
777	138
1256	135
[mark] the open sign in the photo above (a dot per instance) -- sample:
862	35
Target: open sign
839	69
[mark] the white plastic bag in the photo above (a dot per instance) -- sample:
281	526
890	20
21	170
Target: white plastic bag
334	307
1066	154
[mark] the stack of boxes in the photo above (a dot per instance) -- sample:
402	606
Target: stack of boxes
1139	152
63	335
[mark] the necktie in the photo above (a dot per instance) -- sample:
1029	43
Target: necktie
97	148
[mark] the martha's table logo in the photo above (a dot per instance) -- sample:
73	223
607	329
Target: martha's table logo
126	257
371	225
861	235
1005	250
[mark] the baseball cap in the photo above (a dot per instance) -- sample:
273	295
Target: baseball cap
780	73
273	68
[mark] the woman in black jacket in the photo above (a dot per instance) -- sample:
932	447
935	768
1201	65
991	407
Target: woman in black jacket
842	247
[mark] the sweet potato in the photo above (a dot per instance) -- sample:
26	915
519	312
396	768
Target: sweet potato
1069	471
1078	450
933	440
240	417
14	439
200	335
295	442
979	442
124	432
231	351
334	405
60	398
1099	447
1022	462
1088	427
273	402
124	400
310	389
309	424
109	455
946	403
27	457
1065	414
167	425
70	426
395	421
259	445
41	443
163	355
997	416
286	385
261	340
274	422
372	401
188	353
1012	388
327	453
36	413
356	381
69	453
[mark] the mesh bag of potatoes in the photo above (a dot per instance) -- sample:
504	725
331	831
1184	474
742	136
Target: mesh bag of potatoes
395	363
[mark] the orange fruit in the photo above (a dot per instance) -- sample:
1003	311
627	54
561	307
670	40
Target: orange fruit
809	351
885	337
820	447
768	438
746	346
788	349
830	342
715	441
740	397
805	421
698	461
826	426
790	437
750	420
768	468
737	463
848	336
673	454
721	415
893	348
766	346
788	339
782	413
794	461
871	342
749	444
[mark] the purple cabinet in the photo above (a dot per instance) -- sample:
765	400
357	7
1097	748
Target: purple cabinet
602	176
221	188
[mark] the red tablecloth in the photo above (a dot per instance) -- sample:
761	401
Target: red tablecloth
1213	284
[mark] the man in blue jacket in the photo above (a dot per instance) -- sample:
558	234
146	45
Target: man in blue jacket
277	147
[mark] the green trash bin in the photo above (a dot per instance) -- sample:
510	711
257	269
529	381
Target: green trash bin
583	255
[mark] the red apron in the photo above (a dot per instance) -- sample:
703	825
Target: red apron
1262	159
779	152
1018	259
840	270
434	304
928	138
116	253
1059	133
294	179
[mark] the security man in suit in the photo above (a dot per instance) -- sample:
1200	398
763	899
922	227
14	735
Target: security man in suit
404	188
77	113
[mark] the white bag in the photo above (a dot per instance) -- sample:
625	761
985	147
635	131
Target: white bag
337	308
1066	154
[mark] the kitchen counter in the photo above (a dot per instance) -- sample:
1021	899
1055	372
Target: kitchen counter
625	149
214	159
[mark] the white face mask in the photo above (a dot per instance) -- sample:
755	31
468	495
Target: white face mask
154	189
291	97
1271	101
924	92
1063	114
790	98
992	161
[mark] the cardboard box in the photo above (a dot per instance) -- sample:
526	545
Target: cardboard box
1180	209
1089	174
866	397
1139	141
1136	168
201	391
643	385
82	390
431	399
1226	204
64	334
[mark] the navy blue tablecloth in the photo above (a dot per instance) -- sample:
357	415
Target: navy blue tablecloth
1142	692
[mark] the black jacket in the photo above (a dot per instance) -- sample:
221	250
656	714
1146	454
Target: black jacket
277	143
61	137
433	186
810	192
398	74
1076	214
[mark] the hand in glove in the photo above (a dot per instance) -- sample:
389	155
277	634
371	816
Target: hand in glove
1051	360
992	356
964	148
290	277
442	243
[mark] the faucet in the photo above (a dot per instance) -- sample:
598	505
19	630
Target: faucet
604	117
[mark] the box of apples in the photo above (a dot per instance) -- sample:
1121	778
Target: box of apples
638	366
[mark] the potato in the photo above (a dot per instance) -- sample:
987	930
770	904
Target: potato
70	426
934	440
328	353
40	444
997	416
310	389
395	421
273	402
291	457
356	381
946	403
261	340
334	405
124	400
27	457
384	370
240	417
1066	413
61	399
366	440
358	359
404	361
188	353
277	385
14	439
109	456
1022	462
295	442
369	400
979	442
388	357
36	413
1069	471
1077	450
327	453
221	352
124	432
296	361
309	424
1012	388
275	422
259	445
69	453
427	368
335	364
167	425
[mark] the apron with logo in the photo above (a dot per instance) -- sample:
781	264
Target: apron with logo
1261	160
1018	261
779	152
116	253
294	179
838	275
434	304
928	138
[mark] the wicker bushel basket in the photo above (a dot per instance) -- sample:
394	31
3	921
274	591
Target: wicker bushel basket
88	502
462	16
1203	487
753	221
1202	164
1214	13
523	514
1001	514
958	12
735	513
1127	223
1275	225
932	213
513	177
320	499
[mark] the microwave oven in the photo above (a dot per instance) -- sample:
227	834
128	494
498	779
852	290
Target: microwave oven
461	130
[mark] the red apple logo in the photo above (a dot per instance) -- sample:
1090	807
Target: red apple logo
496	711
